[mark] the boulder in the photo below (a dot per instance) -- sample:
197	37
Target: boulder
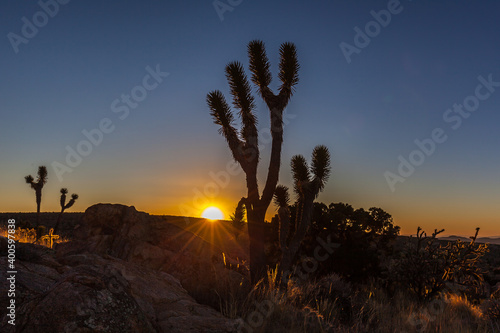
92	293
137	237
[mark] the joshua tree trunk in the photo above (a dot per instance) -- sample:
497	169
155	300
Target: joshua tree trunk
257	235
38	194
56	227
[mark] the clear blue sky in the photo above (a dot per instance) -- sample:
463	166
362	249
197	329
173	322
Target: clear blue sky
398	88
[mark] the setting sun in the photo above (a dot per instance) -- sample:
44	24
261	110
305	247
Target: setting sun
213	213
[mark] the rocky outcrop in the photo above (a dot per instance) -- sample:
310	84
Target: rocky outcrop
137	237
91	293
126	271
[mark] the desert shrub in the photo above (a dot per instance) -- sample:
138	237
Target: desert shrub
426	267
365	239
332	304
25	235
29	235
491	309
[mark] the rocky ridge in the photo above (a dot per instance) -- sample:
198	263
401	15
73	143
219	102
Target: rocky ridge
126	271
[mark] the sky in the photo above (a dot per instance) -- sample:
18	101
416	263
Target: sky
111	97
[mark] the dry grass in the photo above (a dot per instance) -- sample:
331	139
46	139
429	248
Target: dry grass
28	235
333	305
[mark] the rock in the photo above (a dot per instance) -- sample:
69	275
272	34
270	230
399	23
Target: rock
93	293
496	291
123	232
3	246
126	271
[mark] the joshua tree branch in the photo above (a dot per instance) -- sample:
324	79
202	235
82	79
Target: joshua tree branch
219	109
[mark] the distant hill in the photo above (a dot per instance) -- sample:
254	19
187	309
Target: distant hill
491	240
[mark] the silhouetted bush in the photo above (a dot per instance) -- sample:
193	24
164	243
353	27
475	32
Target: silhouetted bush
425	267
364	240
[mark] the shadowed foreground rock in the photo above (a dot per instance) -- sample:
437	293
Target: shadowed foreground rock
127	272
137	237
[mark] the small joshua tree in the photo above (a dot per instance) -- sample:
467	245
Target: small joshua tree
238	217
307	188
37	186
64	205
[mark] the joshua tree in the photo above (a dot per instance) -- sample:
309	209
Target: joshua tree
238	217
307	188
64	206
41	180
244	144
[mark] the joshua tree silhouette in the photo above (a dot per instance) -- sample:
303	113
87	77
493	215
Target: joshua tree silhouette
37	186
64	206
237	218
307	188
244	144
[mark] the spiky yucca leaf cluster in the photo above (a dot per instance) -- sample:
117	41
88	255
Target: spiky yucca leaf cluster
238	218
289	67
259	64
65	206
41	179
307	179
282	198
